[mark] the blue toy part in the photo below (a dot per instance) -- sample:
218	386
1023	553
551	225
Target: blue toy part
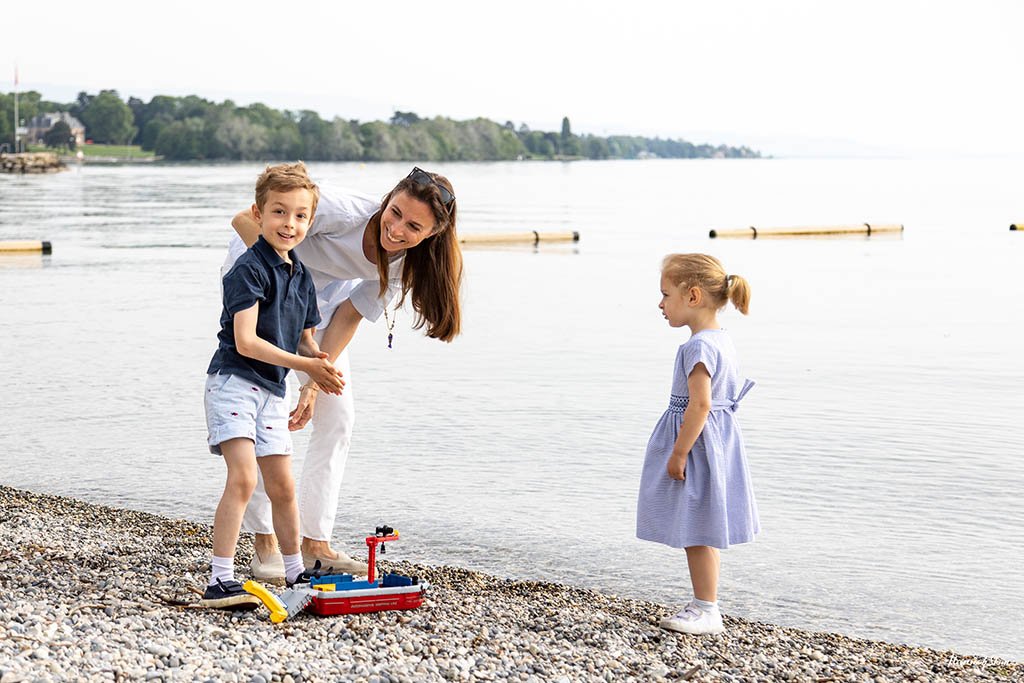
356	585
342	582
330	578
392	580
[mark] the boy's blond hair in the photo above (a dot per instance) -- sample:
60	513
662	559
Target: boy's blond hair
285	178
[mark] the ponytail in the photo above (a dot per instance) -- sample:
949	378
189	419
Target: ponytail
737	290
706	272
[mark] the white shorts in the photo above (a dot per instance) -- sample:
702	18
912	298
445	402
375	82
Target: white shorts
236	408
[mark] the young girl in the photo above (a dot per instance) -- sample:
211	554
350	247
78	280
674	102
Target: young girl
695	490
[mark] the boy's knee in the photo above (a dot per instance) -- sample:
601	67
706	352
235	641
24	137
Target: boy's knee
240	485
280	490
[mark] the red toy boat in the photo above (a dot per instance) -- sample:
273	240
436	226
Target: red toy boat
340	594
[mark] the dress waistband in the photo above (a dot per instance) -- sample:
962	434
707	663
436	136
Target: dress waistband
677	403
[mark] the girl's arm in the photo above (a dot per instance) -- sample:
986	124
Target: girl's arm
338	334
694	418
246	226
249	344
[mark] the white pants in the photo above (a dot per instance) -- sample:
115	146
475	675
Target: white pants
324	468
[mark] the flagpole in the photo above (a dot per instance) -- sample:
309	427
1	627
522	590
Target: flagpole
15	107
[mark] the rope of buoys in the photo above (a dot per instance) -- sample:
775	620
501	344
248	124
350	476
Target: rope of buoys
44	247
859	229
532	237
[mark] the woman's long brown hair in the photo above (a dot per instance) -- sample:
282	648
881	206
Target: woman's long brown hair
432	273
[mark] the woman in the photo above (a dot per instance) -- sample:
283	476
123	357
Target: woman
361	253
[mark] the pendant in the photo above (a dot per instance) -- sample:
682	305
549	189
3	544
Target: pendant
390	337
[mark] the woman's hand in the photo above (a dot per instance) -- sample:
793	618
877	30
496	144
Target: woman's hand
303	413
323	372
677	466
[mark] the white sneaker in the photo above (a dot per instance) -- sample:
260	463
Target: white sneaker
270	570
692	619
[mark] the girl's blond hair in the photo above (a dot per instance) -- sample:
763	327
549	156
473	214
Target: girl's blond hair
707	272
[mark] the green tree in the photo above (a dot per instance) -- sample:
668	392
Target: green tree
416	142
443	132
378	142
193	106
551	145
79	105
534	142
147	139
568	144
595	147
59	136
240	138
139	117
30	104
262	115
6	119
182	140
342	141
284	141
404	118
313	132
108	119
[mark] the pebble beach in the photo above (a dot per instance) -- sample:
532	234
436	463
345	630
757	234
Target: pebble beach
90	593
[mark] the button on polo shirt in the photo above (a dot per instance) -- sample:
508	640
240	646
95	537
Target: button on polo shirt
287	306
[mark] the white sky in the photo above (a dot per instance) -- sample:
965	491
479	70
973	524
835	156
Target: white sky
786	77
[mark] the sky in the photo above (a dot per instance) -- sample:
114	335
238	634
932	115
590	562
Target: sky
787	77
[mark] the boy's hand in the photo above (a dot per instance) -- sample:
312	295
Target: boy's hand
323	372
300	417
677	466
309	348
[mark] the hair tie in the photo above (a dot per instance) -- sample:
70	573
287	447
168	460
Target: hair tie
727	279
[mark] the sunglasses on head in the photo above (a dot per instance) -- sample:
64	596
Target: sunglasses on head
421	177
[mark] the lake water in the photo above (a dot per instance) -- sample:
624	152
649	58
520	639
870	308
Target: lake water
885	434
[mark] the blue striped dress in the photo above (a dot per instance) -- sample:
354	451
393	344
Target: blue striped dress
715	504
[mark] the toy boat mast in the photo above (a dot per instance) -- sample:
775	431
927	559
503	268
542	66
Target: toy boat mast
382	534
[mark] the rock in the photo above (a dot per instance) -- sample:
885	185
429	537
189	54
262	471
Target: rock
31	162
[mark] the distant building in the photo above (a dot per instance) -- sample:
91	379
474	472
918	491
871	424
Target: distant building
38	125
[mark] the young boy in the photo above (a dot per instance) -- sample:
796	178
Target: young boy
267	325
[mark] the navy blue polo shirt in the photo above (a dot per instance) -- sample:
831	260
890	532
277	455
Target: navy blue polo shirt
287	306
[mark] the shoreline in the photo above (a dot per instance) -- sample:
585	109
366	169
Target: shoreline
97	593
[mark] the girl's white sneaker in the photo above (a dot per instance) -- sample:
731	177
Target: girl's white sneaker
692	619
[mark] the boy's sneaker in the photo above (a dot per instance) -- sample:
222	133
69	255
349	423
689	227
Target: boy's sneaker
270	570
314	573
692	619
228	595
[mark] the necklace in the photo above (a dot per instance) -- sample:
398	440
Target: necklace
390	323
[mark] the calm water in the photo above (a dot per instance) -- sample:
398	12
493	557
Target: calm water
884	434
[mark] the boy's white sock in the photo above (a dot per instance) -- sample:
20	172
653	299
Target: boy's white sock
222	568
706	606
293	566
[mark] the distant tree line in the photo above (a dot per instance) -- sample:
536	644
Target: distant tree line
192	128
